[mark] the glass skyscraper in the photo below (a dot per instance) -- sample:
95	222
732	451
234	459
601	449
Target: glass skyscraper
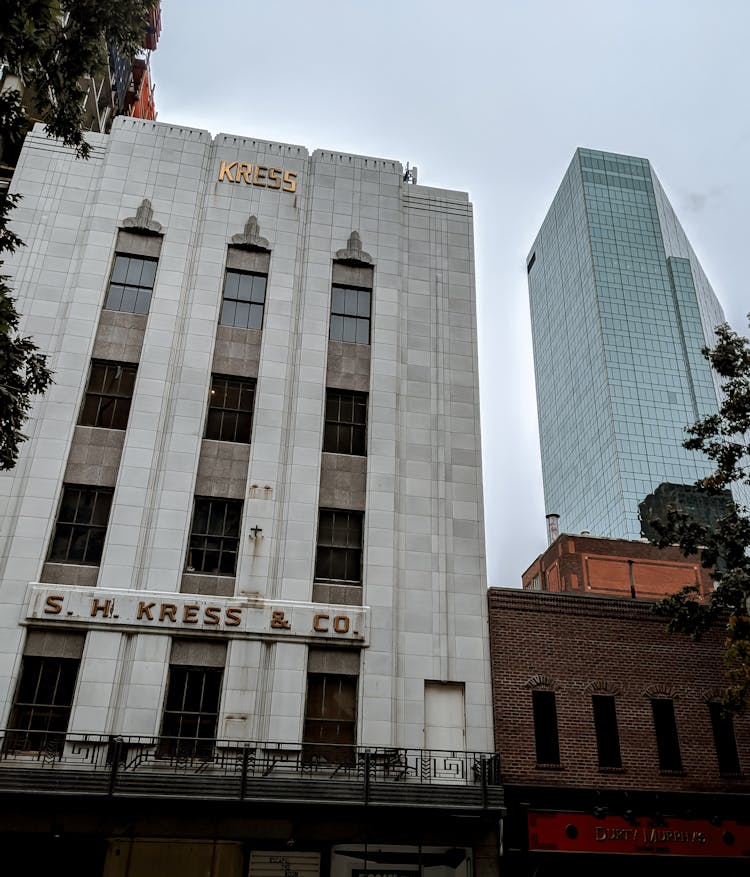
620	309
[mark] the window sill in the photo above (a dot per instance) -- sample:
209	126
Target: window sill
673	773
611	769
549	767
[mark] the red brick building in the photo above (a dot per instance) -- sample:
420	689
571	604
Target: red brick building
614	567
614	749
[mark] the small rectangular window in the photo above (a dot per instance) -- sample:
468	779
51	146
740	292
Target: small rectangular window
131	284
545	727
214	536
346	423
339	552
724	740
330	717
109	393
81	525
607	734
230	409
350	314
44	699
191	711
667	740
244	300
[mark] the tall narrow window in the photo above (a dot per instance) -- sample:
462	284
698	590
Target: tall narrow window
665	728
545	728
214	537
41	711
346	423
191	711
607	734
109	393
81	525
724	740
350	314
330	714
339	552
244	300
230	409
131	284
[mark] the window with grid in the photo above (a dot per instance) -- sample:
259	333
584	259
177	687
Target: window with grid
244	300
667	740
350	314
131	284
346	423
108	395
339	551
230	409
607	733
191	711
724	740
330	716
546	736
215	535
41	711
81	525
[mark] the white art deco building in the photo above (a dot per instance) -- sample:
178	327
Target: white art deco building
243	613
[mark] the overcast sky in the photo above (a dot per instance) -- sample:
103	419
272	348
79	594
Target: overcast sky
491	98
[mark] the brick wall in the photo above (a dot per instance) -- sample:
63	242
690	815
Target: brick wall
579	645
614	567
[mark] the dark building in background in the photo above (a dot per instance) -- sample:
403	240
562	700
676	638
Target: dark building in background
615	752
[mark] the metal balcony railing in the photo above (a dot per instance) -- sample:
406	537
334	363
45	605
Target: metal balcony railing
53	762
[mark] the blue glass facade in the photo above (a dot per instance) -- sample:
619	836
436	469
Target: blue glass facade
620	309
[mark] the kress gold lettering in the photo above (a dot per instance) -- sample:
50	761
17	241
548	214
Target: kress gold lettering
225	170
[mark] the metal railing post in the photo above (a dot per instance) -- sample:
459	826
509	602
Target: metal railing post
243	778
116	750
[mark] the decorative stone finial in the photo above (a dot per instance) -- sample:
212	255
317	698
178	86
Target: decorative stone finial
354	252
250	238
143	222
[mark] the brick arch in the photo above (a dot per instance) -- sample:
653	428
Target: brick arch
602	686
540	680
660	689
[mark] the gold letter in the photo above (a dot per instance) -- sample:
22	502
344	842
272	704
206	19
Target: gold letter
190	613
274	176
259	180
225	170
168	610
244	172
233	616
103	607
341	623
317	618
144	611
54	604
290	179
212	614
278	621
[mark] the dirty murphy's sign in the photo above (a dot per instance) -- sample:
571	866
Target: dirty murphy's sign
257	175
252	617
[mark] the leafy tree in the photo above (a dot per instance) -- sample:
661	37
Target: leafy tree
50	46
725	439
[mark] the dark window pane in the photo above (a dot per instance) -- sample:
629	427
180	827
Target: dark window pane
545	727
240	289
339	551
350	314
191	711
330	717
607	734
724	740
131	284
665	728
345	411
41	710
108	395
81	525
214	537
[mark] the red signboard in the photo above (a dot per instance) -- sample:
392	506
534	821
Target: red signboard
584	833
